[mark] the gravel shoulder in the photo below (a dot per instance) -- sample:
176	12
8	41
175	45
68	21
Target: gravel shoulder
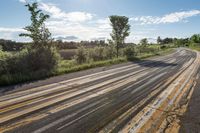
190	123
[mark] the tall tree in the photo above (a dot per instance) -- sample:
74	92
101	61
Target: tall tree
37	30
120	30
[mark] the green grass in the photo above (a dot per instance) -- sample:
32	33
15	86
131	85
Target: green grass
195	47
68	66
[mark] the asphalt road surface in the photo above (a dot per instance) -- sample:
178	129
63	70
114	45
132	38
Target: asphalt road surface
93	103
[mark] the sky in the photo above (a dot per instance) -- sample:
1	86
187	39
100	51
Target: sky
75	20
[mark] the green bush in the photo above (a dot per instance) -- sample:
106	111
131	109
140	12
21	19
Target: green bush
27	64
3	61
110	52
81	55
130	52
97	54
45	59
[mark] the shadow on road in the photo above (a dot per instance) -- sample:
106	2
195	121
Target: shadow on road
153	63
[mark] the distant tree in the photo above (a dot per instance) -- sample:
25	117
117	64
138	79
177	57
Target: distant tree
121	30
37	30
144	42
195	38
159	40
167	40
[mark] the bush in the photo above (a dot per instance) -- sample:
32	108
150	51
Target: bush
97	54
110	52
81	55
27	64
3	61
130	52
43	59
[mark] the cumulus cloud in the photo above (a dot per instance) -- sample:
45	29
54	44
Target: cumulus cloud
57	13
83	25
168	18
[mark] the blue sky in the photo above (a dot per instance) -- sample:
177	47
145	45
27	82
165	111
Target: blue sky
88	19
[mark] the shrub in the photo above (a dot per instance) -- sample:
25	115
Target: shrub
81	55
27	65
3	61
110	52
130	52
97	54
43	59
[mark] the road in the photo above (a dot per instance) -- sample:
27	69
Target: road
100	102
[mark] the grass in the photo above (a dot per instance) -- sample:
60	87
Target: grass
195	47
67	66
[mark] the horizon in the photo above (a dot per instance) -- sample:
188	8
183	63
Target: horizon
86	20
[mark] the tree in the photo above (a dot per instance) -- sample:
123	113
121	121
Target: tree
144	42
195	38
159	40
120	30
167	40
41	56
37	30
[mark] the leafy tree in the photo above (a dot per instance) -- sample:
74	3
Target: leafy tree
37	30
41	56
195	38
167	40
121	30
144	42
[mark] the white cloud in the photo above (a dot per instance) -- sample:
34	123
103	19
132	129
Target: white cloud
22	1
83	25
57	13
12	34
3	29
168	18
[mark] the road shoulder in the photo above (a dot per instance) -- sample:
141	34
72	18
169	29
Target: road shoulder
190	122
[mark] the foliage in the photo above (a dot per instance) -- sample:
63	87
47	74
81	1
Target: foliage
42	58
28	64
37	30
181	42
130	52
81	55
8	45
42	55
195	38
121	30
144	42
